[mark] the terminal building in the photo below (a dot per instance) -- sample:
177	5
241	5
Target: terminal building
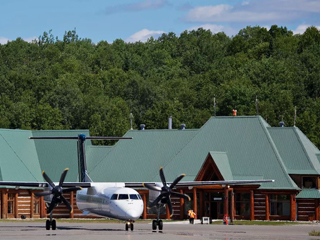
224	148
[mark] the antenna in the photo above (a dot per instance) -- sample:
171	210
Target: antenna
257	107
295	116
214	105
131	118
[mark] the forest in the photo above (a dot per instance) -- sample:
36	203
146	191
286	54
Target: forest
73	83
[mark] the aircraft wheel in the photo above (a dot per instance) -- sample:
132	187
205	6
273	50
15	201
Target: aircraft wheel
160	225
131	226
127	227
47	225
54	224
154	225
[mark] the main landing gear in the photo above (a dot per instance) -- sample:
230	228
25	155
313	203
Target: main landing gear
129	225
51	223
157	223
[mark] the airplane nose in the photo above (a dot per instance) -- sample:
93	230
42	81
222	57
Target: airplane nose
133	214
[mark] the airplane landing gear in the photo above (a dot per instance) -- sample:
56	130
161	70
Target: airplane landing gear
129	225
51	223
157	223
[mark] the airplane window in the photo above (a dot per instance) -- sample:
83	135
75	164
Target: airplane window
114	197
123	196
134	197
139	197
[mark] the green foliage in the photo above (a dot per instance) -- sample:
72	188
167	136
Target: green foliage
75	84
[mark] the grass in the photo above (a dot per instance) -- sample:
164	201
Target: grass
314	233
267	223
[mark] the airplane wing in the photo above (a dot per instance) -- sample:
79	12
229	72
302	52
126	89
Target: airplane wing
44	184
199	183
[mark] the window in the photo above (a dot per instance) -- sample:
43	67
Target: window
36	205
123	196
114	197
309	182
279	205
242	201
11	203
134	197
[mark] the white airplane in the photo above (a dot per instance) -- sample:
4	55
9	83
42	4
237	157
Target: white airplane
111	199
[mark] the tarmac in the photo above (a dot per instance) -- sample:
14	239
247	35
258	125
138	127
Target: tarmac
142	231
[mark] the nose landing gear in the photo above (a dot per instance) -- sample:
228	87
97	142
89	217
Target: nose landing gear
130	225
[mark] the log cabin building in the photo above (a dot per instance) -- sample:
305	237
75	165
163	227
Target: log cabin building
225	148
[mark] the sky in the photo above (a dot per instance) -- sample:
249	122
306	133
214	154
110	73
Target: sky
138	20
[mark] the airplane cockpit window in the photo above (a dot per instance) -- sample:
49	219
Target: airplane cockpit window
139	197
134	197
123	196
114	197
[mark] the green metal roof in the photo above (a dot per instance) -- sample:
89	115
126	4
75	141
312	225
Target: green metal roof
56	155
297	151
18	158
308	193
139	159
248	145
222	162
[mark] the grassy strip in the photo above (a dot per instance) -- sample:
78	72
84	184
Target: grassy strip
267	223
314	233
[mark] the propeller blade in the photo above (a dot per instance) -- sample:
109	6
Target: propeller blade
40	194
63	176
178	179
71	189
52	205
163	179
45	176
180	195
66	203
169	206
155	202
152	187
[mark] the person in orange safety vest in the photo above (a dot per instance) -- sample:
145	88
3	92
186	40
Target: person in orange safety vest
192	216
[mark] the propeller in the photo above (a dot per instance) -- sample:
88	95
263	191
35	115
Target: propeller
166	191
57	191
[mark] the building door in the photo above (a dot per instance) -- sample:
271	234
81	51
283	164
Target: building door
11	205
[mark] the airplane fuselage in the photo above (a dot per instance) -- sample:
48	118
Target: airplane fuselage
111	200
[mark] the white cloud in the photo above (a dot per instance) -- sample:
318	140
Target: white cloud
215	29
31	39
134	7
144	35
255	11
4	40
302	28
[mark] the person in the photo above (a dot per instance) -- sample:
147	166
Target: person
192	216
189	213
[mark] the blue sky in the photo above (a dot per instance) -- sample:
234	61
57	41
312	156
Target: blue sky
137	20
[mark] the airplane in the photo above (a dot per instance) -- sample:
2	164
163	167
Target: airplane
116	200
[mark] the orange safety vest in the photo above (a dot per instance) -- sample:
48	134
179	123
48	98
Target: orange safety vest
192	214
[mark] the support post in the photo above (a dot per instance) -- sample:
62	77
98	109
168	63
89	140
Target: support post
317	209
226	201
31	204
167	212
42	208
200	214
232	213
267	207
181	206
16	205
4	204
144	214
72	204
251	205
195	206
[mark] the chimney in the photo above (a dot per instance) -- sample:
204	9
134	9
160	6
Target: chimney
170	123
182	126
282	124
234	112
142	127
